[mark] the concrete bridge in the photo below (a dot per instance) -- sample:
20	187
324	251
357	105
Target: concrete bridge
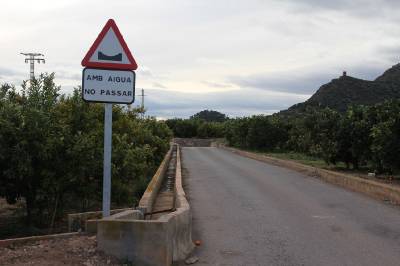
247	212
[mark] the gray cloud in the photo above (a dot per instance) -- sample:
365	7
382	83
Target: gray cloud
145	71
356	7
203	42
389	52
68	75
12	76
165	103
67	89
304	82
367	71
159	85
216	85
5	72
282	82
337	4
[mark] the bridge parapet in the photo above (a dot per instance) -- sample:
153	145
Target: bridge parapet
128	235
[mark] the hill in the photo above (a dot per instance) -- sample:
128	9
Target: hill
344	91
210	116
391	75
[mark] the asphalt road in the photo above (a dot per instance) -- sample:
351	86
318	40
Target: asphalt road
247	212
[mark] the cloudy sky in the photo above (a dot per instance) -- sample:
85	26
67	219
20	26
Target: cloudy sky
240	57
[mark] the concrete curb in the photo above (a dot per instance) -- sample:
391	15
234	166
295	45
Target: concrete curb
149	196
368	187
181	219
24	240
86	221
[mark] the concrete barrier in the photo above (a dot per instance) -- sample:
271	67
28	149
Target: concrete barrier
368	187
86	221
150	242
147	201
197	142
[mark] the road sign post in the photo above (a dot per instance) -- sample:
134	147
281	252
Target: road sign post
108	78
107	159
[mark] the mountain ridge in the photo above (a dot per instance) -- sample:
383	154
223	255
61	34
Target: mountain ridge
342	92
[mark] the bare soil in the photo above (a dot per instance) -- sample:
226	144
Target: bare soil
75	250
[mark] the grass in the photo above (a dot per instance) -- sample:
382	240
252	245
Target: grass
310	161
307	160
320	163
301	158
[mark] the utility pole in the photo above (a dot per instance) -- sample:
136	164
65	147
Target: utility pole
142	103
32	58
142	99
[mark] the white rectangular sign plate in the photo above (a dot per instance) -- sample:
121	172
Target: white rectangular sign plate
108	86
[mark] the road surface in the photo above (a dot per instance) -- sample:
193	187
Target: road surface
247	212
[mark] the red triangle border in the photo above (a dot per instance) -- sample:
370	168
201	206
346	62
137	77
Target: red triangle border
86	60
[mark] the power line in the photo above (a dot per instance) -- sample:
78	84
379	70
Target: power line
32	58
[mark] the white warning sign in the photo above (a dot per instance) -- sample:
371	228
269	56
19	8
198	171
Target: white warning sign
108	86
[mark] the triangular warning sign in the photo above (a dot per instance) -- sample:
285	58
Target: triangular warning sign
109	50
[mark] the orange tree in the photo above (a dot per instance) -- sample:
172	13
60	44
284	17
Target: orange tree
51	151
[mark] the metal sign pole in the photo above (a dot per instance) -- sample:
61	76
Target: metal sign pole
108	78
107	159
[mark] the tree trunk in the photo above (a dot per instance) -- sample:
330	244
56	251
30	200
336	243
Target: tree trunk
29	203
53	218
355	164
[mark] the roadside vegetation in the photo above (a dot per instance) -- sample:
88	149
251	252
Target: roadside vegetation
205	124
51	153
362	138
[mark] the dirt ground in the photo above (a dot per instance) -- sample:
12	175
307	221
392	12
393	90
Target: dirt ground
13	222
76	250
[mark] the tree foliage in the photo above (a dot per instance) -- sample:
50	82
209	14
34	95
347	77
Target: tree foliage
359	137
210	116
51	150
191	128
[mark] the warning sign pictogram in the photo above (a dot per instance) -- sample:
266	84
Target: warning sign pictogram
109	50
